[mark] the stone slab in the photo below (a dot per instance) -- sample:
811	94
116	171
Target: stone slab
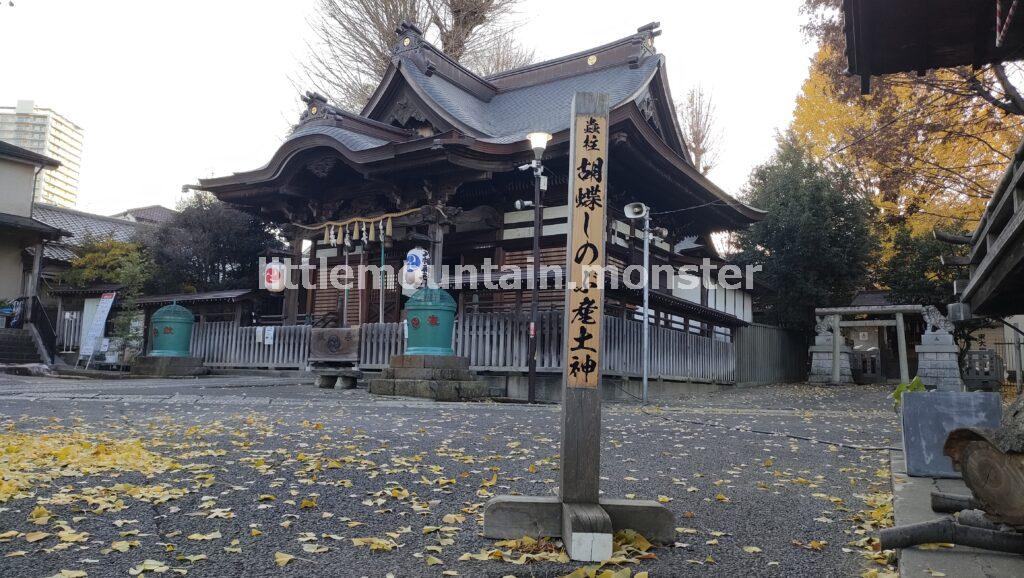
457	374
586	532
912	505
430	361
382	386
431	389
167	366
509	517
927	419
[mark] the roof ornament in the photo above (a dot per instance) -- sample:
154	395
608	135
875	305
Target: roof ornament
646	34
316	106
409	36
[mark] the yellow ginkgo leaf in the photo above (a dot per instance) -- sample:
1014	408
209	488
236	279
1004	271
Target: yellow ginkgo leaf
282	559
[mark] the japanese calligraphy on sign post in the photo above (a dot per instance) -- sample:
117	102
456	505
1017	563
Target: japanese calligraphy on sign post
585	255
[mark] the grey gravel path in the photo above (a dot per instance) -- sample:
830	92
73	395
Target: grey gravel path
238	439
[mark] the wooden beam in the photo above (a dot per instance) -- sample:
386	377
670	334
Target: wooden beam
955	260
951	238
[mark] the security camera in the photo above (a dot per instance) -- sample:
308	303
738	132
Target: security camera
520	204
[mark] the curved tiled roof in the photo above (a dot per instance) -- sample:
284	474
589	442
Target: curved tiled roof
510	115
352	140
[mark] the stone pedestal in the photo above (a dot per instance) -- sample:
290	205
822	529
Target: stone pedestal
437	377
929	416
937	364
821	361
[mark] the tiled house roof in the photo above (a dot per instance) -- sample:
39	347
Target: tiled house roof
82	226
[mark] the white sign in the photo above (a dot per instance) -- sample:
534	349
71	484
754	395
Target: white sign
268	335
99	321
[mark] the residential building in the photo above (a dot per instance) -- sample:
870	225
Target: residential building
151	215
20	169
46	132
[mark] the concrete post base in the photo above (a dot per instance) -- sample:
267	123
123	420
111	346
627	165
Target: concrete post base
512	517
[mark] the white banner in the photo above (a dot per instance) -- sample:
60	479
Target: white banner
99	321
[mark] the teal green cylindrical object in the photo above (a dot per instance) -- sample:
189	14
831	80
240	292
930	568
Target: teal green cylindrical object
171	331
430	315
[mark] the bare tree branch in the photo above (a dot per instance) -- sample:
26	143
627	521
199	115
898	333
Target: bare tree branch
353	41
697	114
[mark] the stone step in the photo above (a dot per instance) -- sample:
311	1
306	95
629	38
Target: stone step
430	361
430	389
429	373
20	358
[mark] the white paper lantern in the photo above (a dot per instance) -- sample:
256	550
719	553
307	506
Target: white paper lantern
274	276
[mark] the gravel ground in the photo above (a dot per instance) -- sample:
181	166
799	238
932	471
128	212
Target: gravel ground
238	439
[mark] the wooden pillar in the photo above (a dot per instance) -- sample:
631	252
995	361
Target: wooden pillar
901	343
837	336
291	296
436	234
364	293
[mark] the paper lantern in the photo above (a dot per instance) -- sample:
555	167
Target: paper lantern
274	276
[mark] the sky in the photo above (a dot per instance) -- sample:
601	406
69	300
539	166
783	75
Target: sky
169	92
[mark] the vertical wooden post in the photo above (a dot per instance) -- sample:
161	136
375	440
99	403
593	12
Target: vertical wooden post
585	520
586	528
901	343
837	336
291	296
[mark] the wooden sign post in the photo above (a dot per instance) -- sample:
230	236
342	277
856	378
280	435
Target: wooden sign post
585	521
586	527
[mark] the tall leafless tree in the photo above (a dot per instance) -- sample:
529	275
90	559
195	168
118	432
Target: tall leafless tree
353	39
697	114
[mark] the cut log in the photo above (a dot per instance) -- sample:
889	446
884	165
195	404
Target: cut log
947	530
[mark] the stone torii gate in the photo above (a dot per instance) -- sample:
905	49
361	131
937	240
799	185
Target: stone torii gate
830	357
937	366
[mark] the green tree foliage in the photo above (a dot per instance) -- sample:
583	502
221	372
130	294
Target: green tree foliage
108	261
120	263
208	246
815	245
914	272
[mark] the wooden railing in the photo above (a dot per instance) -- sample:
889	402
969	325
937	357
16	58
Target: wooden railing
378	342
500	342
223	344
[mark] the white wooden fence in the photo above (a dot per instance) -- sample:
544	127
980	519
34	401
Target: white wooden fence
223	344
70	331
500	342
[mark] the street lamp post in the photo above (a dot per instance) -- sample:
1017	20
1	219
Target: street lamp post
538	142
642	211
